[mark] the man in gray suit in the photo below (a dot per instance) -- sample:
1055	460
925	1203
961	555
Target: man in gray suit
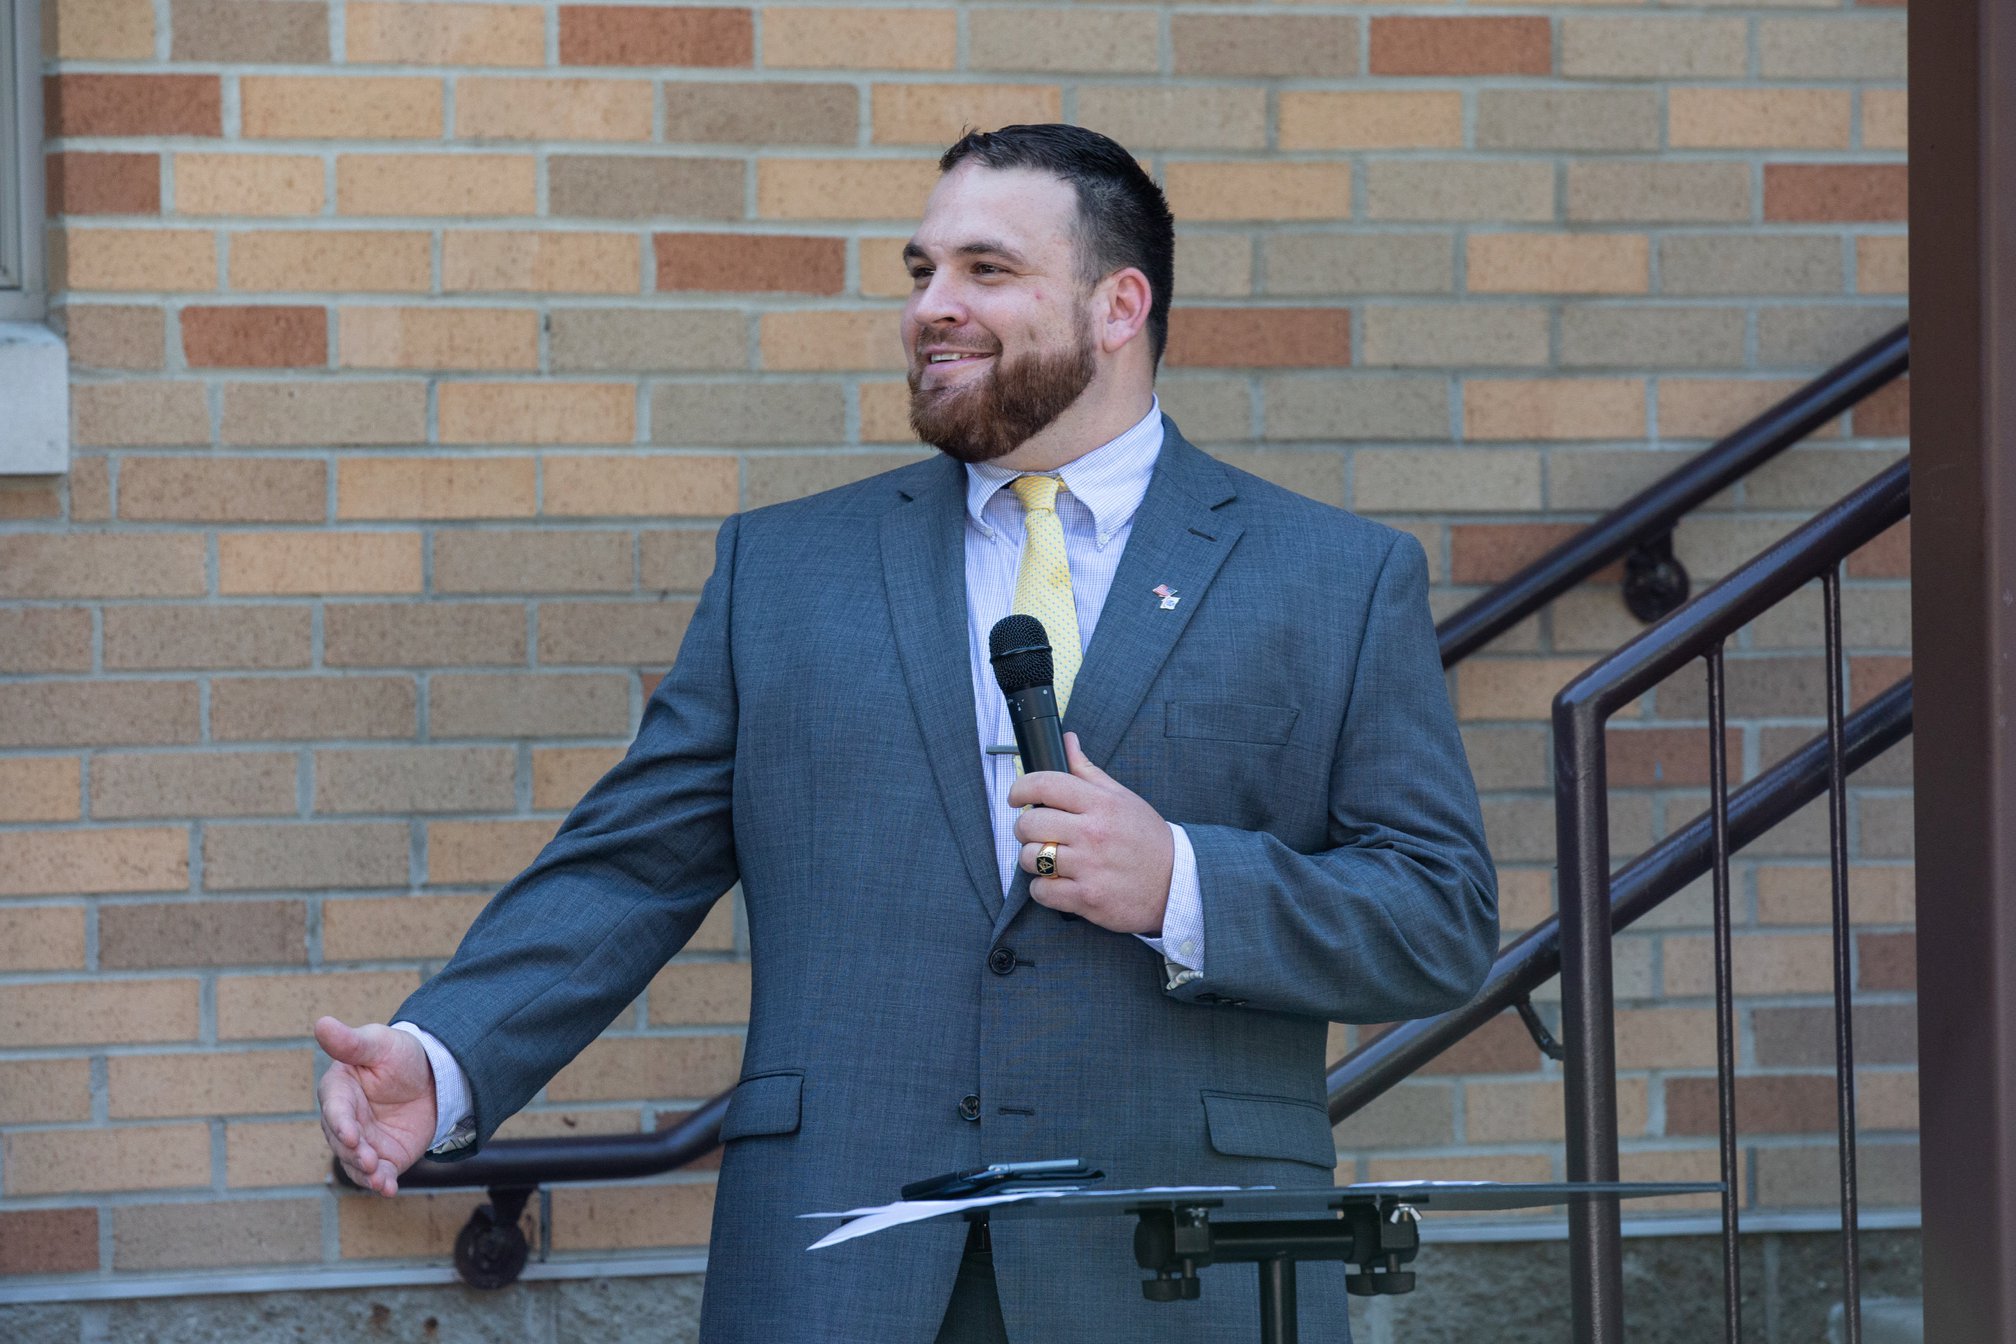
1279	831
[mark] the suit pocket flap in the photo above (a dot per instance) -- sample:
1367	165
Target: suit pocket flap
765	1104
1230	721
1246	1126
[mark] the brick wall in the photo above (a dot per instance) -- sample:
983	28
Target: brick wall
419	349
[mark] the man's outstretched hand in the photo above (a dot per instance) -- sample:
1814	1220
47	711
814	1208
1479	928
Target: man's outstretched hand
377	1101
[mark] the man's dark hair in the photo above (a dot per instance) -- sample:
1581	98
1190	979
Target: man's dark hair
1123	219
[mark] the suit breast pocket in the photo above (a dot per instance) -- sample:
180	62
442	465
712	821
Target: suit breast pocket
1231	721
764	1104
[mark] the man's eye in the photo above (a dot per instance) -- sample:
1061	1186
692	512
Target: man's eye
984	268
921	274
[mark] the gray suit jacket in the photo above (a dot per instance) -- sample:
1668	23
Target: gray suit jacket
815	740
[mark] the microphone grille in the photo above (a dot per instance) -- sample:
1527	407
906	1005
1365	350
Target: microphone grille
1019	648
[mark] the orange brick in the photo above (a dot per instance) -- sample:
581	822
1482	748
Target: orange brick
99	30
388	928
251	1082
413	1226
138	105
248	184
560	775
830	339
1708	408
262	337
1371	120
608	1218
379	261
1270	191
460	853
1776	963
861	39
40	788
438	34
341	107
138	858
274	1152
103	184
553	109
147	259
547	412
117	1012
1260	337
1665	1038
129	1157
578	263
39	1091
1512	688
1465	46
1554	408
1836	192
437	338
318	563
436	184
844	189
935	114
617	1068
277	1006
648	486
641	35
42	938
1558	263
744	263
100	565
421	487
1757	118
695	993
1886	414
885	413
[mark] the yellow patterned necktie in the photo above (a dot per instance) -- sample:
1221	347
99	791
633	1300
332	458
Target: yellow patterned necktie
1043	584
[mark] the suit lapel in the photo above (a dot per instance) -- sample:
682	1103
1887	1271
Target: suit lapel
924	570
1180	539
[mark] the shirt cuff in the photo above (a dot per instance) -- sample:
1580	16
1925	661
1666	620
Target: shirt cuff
1181	942
454	1118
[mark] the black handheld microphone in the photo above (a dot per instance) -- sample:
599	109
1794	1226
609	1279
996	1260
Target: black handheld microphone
1019	648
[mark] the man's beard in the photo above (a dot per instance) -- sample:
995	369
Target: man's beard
1012	403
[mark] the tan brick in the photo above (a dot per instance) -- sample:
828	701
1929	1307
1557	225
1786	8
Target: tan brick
1411	1113
695	993
1316	46
1259	337
72	1161
248	336
1354	264
100	713
41	1091
1778	963
1654	48
560	775
776	478
612	1217
119	1012
45	639
935	114
416	1226
395	928
132	105
646	340
544	1122
461	853
274	1006
1378	407
1886	1176
1445	480
843	188
1559	263
634	485
659	1067
746	413
203	933
438	34
532	561
306	708
248	184
1815	337
830	340
1512	688
279	32
427	487
438	338
553	109
436	184
129	259
544	412
192	1236
260	1082
235	783
1455	335
1554	408
1574	119
1519	1112
42	938
1316	473
1665	1038
87	565
99	30
130	414
642	35
885	412
343	261
1448	190
40	788
431	634
761	114
1886	1100
325	414
1862	46
861	39
1214	265
274	1152
282	857
318	563
1666	338
1777	264
1179	117
1357	120
90	489
1269	191
883	274
81	183
1885	119
621	186
115	335
1215	409
612	633
340	107
1803	1037
414	779
1613	191
1836	192
1497	1167
1757	118
1882	265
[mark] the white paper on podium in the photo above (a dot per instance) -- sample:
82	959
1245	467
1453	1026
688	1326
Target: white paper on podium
1418	1185
904	1211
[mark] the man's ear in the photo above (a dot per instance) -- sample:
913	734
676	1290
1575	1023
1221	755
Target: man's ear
1121	306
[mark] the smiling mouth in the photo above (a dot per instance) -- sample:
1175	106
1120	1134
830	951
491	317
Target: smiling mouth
956	357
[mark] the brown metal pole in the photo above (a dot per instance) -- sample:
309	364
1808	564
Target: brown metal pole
1963	554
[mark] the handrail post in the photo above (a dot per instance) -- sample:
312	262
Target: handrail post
1582	828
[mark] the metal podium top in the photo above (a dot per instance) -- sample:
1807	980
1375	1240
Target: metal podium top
1463	1196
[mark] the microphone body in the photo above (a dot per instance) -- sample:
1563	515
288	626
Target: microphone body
1039	734
1019	648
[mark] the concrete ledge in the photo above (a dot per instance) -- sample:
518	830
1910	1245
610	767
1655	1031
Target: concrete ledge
35	389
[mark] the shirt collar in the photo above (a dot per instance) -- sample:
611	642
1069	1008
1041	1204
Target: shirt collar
1110	481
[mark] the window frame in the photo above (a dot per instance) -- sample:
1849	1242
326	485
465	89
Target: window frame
23	269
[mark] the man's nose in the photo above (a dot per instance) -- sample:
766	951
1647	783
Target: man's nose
939	303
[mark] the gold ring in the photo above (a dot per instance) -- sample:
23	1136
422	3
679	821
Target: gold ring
1046	861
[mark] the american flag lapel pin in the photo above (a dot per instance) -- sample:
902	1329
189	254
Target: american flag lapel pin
1168	595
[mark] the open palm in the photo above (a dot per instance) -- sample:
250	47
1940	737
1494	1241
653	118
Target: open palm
377	1101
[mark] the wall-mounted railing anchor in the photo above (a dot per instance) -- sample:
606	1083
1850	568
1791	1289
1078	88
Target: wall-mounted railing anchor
1537	1029
490	1250
1655	582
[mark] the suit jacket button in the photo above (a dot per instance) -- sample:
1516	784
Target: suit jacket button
969	1107
1002	961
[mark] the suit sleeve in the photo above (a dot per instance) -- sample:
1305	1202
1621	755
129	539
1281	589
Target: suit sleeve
1399	917
633	871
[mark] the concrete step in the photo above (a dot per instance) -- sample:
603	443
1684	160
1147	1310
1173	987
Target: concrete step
1885	1320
